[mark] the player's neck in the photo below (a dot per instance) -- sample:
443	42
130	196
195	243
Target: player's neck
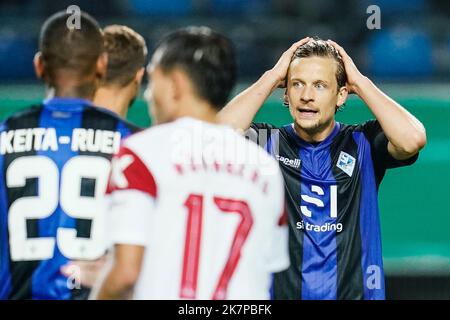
68	85
315	137
197	109
80	92
115	99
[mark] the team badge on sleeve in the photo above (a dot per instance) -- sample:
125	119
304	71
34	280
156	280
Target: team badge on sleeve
130	173
346	163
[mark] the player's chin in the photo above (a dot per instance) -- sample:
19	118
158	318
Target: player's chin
307	124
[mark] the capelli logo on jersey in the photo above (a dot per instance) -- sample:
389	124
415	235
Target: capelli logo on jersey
293	163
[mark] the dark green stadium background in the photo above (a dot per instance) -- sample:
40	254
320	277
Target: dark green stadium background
414	201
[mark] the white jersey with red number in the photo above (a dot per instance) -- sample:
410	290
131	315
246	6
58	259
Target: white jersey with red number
208	206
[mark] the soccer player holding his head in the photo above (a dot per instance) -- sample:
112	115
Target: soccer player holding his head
54	167
331	193
127	53
197	212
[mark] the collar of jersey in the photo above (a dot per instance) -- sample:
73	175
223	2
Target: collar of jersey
66	104
307	145
187	119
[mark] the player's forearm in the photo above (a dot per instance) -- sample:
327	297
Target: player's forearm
404	131
240	111
115	288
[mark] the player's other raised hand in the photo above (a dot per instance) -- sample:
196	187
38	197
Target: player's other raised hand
354	76
281	67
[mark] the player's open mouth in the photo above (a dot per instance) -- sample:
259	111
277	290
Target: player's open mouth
307	113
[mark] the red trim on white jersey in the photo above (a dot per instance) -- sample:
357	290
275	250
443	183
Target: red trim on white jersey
283	220
130	173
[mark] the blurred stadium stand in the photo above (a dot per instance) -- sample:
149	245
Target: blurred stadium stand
414	35
16	56
402	53
409	56
161	8
399	6
240	7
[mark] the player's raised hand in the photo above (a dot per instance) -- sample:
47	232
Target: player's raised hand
354	76
281	67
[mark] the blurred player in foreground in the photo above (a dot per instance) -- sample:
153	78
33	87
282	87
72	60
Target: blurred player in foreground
55	162
197	212
332	170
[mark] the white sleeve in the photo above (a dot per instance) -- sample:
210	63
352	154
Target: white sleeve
131	197
279	246
129	217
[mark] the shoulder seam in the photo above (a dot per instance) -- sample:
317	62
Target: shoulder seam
29	110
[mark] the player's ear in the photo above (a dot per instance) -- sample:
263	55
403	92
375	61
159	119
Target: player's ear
139	75
102	65
286	98
342	96
179	84
38	63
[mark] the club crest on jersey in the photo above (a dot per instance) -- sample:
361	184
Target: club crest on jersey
346	163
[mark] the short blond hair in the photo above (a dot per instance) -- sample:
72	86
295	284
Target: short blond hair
127	53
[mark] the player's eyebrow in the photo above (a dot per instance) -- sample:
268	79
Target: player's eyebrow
321	81
314	81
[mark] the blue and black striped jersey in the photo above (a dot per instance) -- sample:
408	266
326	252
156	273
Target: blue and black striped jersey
54	166
331	196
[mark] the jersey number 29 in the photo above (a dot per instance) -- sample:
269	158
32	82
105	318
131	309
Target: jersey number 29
50	194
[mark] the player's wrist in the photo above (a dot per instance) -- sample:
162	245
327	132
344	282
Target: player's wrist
361	85
274	78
